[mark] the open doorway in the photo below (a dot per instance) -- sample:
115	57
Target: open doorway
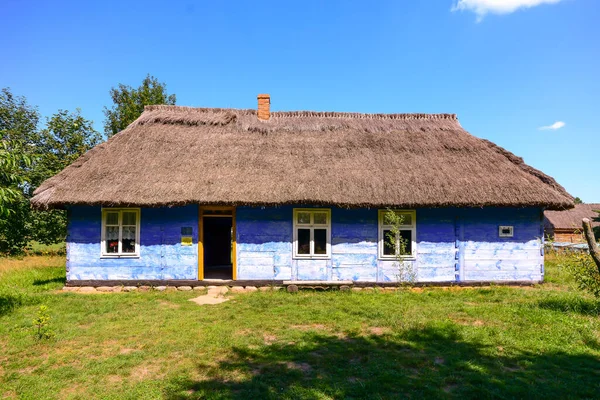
218	244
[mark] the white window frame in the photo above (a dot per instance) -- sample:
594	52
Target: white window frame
120	254
412	227
312	227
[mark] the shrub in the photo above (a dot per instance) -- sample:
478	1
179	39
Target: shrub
42	324
585	273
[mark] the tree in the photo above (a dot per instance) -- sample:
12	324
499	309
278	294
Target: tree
67	136
14	207
11	159
18	129
398	245
18	120
28	156
128	103
577	200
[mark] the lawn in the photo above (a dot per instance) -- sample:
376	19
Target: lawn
496	342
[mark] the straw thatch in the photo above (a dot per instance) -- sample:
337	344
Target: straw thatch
178	155
570	220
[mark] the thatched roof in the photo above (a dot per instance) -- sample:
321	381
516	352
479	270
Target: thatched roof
179	155
571	219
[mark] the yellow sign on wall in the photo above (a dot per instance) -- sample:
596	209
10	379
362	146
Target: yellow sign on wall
186	241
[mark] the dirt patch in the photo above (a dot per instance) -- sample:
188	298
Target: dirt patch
168	304
513	368
114	379
304	367
466	321
209	298
378	331
145	372
9	395
27	370
311	327
127	350
269	339
70	391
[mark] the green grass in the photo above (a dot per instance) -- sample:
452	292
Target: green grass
496	342
37	248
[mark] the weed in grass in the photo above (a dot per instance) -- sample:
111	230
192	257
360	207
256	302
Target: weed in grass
41	324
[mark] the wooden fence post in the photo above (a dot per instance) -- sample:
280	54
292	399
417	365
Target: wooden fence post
591	240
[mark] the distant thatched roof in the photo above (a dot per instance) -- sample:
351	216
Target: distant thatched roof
179	155
571	219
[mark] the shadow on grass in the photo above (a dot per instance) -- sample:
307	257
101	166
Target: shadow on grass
577	305
58	279
11	301
428	363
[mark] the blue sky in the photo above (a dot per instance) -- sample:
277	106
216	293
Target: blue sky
506	67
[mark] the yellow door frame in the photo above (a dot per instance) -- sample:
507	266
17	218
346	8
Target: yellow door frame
201	212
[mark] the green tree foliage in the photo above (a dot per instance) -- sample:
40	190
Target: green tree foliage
18	126
66	137
129	102
577	200
28	156
584	271
12	159
18	120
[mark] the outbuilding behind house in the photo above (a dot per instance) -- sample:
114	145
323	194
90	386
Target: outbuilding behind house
565	226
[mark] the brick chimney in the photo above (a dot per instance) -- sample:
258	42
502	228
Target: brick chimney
264	107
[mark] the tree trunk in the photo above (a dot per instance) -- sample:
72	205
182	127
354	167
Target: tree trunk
592	245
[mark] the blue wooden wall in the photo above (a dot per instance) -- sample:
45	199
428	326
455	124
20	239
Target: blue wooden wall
161	254
452	245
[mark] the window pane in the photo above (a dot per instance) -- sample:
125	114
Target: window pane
303	241
128	239
320	241
406	219
112	218
407	242
403	219
128	218
112	239
320	218
304	218
388	243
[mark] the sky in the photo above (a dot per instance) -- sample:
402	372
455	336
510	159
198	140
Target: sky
521	73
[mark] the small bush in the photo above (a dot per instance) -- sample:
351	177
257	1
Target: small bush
42	324
585	273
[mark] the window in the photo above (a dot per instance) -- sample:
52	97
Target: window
312	237
505	231
407	234
120	232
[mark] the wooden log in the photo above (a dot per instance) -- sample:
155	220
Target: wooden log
591	240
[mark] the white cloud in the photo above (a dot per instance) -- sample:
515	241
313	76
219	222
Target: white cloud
483	7
555	126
